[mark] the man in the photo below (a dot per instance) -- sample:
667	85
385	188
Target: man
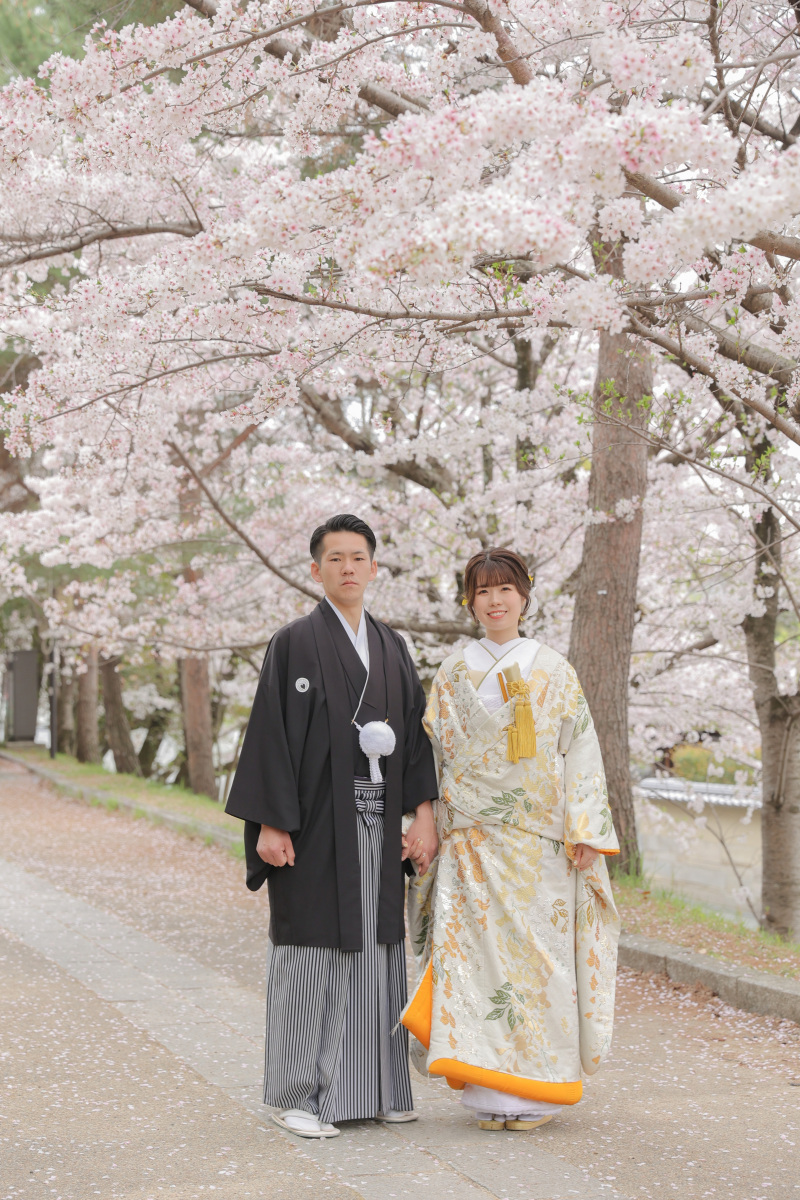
324	829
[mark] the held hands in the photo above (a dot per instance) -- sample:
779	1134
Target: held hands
585	856
421	843
275	847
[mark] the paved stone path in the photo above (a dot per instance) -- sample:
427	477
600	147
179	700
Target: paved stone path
131	1026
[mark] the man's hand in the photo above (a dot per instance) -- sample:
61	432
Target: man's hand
585	856
421	843
275	847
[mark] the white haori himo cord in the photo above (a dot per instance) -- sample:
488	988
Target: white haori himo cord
376	739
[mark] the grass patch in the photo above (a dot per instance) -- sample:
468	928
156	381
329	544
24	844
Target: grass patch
150	795
655	912
147	798
693	761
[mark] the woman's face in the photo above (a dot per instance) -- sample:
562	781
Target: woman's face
499	609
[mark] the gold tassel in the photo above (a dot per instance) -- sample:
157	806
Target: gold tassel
512	753
523	729
523	719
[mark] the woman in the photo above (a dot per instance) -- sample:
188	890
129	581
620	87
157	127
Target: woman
514	924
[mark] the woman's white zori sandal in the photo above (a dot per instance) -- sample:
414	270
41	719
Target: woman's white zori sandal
304	1124
498	1121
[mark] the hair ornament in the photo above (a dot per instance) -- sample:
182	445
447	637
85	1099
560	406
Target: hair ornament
463	602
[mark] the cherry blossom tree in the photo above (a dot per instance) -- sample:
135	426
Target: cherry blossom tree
247	212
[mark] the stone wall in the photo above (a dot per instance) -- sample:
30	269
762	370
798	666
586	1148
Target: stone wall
688	853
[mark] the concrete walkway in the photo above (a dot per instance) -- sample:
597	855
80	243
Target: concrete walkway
131	1066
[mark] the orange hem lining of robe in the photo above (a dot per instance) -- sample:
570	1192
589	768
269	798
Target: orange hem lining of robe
419	1014
417	1019
458	1073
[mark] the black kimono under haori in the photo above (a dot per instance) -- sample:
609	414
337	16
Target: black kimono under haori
336	976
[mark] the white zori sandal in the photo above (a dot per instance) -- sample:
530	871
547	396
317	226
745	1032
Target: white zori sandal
396	1117
304	1124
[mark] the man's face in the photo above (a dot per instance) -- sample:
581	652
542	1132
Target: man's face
344	569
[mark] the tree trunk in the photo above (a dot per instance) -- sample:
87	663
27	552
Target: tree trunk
779	722
66	714
193	680
157	724
605	599
87	736
196	708
118	731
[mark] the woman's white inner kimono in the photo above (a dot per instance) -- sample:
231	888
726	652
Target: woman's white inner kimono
517	948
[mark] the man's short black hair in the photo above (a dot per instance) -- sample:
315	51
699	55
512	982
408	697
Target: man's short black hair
342	523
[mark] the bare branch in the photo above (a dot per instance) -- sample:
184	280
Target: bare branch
698	466
329	412
389	102
452	630
206	8
240	533
229	449
748	114
704	643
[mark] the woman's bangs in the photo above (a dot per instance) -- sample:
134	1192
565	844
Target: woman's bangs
493	574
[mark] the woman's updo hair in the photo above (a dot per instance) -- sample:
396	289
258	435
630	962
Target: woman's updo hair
490	568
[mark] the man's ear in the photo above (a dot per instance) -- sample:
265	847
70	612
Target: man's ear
373	568
315	575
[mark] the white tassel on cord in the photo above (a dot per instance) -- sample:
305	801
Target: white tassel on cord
376	739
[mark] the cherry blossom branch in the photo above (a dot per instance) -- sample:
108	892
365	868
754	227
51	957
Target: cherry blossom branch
332	62
373	93
252	38
512	60
81	241
150	379
750	354
781	244
694	363
387	314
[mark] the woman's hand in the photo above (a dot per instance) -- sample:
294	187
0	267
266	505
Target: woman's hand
585	856
275	847
421	843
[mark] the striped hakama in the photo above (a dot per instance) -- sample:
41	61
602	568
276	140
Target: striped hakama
330	1049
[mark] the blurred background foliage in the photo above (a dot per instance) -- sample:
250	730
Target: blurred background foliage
32	30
